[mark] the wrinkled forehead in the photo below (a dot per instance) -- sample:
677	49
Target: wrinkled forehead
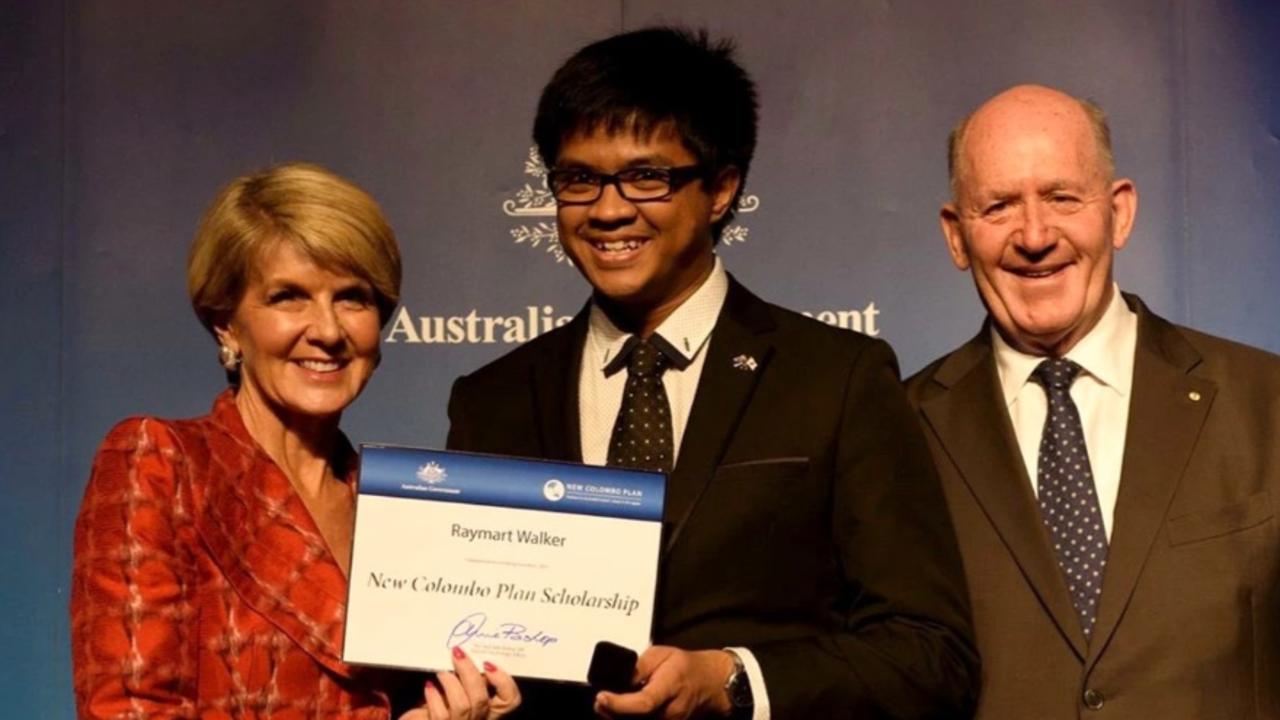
1047	146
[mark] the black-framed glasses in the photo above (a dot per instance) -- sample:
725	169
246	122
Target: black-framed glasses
579	186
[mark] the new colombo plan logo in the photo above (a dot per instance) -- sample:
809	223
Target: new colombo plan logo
534	200
553	490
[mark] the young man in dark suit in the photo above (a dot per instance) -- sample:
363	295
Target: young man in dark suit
809	567
1113	478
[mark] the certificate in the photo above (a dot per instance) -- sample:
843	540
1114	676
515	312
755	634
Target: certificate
524	563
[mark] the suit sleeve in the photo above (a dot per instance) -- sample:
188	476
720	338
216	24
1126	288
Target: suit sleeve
459	419
132	636
905	649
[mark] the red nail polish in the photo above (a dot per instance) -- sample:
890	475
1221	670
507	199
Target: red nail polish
489	667
458	653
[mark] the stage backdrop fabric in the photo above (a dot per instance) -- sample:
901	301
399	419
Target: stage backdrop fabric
119	120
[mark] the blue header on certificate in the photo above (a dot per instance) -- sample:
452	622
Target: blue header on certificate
510	482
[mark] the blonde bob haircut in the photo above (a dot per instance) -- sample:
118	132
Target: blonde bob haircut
331	221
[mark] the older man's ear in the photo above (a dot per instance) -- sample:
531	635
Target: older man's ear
1124	210
949	219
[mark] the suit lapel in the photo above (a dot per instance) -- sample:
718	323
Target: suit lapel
264	541
554	380
971	424
1164	424
726	385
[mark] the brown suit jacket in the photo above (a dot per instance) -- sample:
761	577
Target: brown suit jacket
803	517
1189	620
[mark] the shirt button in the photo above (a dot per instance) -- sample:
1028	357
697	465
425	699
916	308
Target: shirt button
1093	699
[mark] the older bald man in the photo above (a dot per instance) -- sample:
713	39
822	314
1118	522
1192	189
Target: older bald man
1113	478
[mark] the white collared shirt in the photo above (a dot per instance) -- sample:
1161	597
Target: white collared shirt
1101	393
688	330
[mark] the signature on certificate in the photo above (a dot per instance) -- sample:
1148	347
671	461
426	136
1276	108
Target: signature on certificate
475	626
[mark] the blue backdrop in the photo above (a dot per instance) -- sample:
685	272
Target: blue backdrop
118	120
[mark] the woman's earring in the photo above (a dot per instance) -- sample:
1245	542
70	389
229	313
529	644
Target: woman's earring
228	358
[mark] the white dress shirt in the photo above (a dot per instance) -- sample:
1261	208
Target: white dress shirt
688	330
1101	393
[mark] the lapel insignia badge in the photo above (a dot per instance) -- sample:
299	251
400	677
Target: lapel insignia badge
745	362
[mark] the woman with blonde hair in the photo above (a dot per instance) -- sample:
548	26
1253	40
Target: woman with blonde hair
211	554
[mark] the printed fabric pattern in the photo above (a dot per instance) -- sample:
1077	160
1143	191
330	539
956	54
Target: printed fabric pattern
201	586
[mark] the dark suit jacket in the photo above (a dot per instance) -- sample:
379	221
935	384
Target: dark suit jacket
1189	620
803	518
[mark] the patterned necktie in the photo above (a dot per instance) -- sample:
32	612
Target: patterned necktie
642	433
1068	500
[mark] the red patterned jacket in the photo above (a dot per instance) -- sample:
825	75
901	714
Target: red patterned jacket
202	587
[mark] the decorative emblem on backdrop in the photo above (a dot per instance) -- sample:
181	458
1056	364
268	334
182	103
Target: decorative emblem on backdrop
534	201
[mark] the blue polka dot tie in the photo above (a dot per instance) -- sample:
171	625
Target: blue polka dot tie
642	433
1068	499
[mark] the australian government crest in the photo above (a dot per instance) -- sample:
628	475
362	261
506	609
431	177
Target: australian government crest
535	209
532	209
432	473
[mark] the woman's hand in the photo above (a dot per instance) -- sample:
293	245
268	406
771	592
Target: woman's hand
464	693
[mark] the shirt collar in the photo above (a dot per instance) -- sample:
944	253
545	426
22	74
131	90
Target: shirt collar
1106	353
686	329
